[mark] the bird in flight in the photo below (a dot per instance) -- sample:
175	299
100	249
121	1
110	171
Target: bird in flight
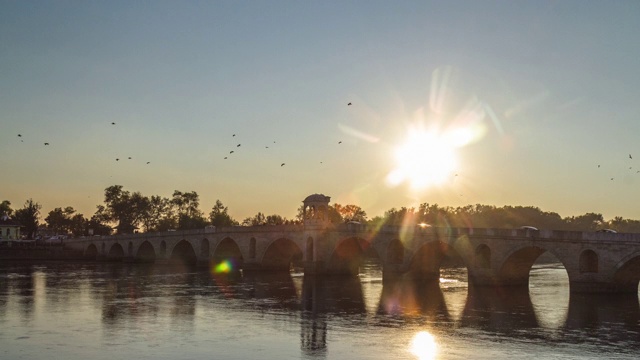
349	104
129	157
46	143
148	162
225	158
339	142
630	156
233	135
598	165
238	145
19	135
117	159
281	164
231	152
113	123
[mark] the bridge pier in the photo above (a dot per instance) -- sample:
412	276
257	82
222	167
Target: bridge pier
202	262
392	272
251	266
314	267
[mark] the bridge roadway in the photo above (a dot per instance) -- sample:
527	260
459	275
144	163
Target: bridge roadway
595	262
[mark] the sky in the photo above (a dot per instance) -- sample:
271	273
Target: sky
508	103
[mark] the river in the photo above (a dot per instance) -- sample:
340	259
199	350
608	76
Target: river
55	310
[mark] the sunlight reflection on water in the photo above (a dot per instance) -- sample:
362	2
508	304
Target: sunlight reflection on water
105	311
424	346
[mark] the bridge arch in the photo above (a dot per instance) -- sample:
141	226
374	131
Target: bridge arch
588	262
116	252
146	253
627	273
281	254
183	253
348	255
228	250
91	252
516	265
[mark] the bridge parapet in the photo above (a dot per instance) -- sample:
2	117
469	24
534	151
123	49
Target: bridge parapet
595	261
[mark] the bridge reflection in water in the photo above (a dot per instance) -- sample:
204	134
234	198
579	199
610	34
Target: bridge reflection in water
131	293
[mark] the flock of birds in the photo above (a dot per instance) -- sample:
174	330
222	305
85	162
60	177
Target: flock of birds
266	147
117	159
630	167
149	162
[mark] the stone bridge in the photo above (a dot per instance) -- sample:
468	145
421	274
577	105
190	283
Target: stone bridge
595	262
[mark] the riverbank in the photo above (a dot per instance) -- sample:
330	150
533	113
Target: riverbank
39	253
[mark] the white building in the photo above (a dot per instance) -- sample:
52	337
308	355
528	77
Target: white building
9	228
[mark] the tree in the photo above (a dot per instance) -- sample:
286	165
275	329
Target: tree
59	220
29	217
220	217
623	225
78	225
186	222
125	208
186	203
275	220
5	208
98	224
347	213
258	219
189	216
403	216
159	215
586	222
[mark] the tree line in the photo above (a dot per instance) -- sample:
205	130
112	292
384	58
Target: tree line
125	212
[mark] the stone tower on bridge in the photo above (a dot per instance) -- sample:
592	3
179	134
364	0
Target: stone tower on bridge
316	222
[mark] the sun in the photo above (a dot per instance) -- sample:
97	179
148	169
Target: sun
426	158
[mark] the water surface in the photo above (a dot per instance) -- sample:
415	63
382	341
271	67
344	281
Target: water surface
116	311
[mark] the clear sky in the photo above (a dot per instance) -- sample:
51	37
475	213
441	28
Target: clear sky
523	103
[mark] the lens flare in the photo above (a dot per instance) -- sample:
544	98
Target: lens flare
424	346
224	267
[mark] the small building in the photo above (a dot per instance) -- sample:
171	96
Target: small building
9	228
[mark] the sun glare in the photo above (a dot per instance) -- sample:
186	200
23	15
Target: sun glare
426	158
